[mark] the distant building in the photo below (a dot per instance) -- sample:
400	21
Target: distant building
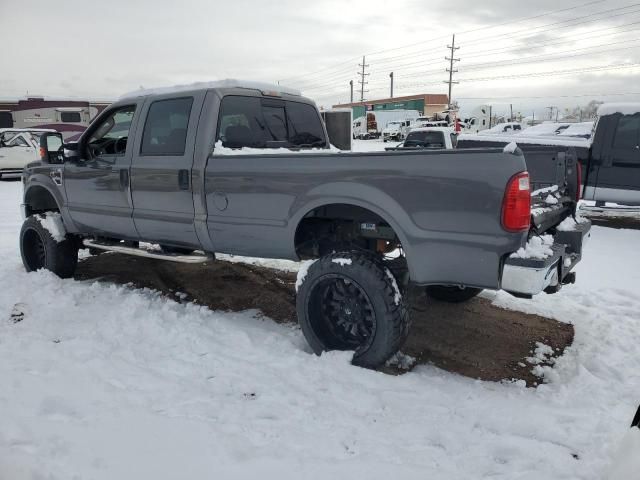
427	103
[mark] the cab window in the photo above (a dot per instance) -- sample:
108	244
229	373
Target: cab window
626	136
268	123
165	130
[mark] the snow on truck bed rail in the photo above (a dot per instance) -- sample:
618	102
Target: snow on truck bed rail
535	140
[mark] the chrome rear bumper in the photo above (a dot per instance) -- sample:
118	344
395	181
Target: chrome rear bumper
530	276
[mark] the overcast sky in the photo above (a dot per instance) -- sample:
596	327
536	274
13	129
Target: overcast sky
84	48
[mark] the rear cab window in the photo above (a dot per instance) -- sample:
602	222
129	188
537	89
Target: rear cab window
269	123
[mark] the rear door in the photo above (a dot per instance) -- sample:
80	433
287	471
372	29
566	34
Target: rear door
161	172
618	177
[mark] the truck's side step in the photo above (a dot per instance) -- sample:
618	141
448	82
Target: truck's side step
143	252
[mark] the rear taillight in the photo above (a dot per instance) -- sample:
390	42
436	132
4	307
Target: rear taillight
579	180
516	206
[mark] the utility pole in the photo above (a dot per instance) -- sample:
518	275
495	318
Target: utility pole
391	77
451	70
490	116
511	112
351	88
533	118
362	81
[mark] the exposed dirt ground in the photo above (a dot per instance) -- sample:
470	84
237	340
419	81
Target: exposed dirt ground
474	339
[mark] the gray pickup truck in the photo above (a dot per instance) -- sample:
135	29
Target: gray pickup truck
248	169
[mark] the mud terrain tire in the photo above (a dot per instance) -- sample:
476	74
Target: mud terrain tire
349	301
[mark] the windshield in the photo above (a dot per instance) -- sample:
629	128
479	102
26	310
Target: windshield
425	140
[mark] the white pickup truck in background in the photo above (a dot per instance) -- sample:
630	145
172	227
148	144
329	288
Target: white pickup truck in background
18	147
430	137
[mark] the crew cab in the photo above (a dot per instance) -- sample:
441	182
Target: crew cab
609	157
247	169
18	147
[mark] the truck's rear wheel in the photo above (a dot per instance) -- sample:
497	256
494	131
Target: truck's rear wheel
348	301
452	294
40	250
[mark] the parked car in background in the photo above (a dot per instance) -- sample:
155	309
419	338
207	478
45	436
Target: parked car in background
396	130
609	158
18	147
430	137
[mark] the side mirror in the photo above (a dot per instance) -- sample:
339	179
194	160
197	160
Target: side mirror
51	147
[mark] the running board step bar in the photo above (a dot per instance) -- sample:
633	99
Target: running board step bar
142	252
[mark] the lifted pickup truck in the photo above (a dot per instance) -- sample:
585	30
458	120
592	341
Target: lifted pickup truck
247	169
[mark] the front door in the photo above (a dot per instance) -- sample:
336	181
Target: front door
619	175
97	183
161	177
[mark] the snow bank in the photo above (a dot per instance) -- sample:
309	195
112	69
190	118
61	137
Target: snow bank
626	462
536	247
226	83
625	108
52	221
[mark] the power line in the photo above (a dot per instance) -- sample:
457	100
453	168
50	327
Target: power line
465	32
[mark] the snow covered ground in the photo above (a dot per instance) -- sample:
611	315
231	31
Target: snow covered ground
101	381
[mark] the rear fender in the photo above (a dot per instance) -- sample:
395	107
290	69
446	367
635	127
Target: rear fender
358	195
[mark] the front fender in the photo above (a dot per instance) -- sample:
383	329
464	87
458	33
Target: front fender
51	179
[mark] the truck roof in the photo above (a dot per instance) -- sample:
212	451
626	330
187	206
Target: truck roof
226	83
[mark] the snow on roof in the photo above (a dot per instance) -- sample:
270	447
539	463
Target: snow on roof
523	139
627	108
226	83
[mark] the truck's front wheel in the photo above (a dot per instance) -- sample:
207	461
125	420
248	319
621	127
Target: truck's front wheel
39	249
452	294
350	301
